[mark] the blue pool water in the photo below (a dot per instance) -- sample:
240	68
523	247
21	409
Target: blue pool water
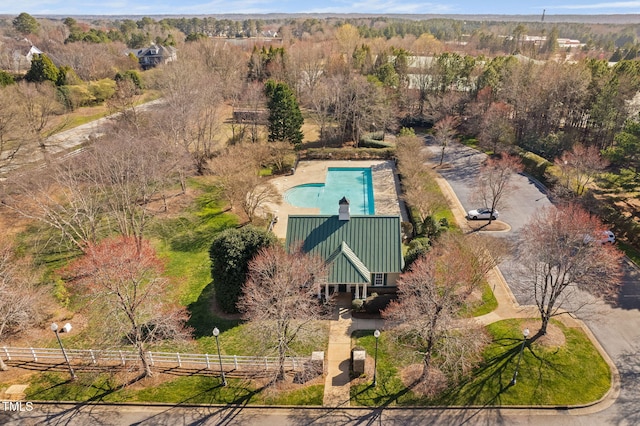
355	183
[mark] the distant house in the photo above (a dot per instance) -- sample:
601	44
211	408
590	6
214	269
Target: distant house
155	55
363	253
23	55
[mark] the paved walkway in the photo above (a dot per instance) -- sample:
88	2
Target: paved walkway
337	383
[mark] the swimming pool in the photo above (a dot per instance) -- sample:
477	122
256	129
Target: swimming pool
355	183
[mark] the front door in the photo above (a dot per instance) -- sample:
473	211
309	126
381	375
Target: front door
342	288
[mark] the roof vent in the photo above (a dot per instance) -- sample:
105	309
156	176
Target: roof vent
343	209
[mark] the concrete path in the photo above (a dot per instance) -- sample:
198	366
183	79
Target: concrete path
337	384
337	381
508	307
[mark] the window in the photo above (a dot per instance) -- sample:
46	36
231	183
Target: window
378	279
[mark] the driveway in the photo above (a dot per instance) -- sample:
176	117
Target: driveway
616	328
461	168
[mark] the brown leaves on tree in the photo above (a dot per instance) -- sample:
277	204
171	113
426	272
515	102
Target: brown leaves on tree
280	296
123	283
433	297
561	252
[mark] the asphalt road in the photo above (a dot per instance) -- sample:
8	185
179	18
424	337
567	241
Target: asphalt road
65	142
246	416
617	328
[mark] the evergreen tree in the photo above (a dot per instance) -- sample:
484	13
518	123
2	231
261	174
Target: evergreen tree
25	24
285	118
6	79
230	253
42	69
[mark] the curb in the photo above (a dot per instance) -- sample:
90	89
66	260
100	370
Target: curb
511	304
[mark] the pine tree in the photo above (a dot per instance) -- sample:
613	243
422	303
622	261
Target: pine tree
285	118
25	24
42	69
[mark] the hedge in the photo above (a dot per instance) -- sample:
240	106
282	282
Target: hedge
348	154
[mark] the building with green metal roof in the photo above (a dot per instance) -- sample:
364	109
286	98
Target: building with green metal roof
361	251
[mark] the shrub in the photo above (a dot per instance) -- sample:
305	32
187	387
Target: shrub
230	254
375	140
373	143
376	303
6	79
417	248
356	304
76	96
102	89
349	154
407	131
535	165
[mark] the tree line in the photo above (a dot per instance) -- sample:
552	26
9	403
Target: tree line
102	200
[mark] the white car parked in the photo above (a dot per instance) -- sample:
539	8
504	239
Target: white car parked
482	213
607	237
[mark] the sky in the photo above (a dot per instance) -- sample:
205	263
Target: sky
207	7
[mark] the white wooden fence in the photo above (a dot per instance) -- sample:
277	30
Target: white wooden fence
108	358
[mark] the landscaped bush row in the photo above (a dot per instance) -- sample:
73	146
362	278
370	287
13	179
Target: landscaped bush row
375	140
535	166
348	154
375	303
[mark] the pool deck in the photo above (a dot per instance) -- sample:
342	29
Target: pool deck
386	188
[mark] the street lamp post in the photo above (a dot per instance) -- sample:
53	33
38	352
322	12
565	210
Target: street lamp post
525	333
376	334
216	333
57	331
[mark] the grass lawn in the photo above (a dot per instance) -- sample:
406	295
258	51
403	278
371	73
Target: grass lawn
572	374
184	242
185	390
488	303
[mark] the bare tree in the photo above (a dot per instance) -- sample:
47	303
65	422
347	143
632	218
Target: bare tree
444	132
124	101
64	197
259	192
250	108
125	289
11	126
38	104
581	165
237	169
560	253
308	59
22	303
434	295
416	177
131	169
495	180
190	116
320	106
280	297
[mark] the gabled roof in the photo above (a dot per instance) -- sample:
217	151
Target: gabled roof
346	267
373	241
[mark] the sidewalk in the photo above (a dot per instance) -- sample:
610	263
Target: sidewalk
508	307
337	383
337	386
